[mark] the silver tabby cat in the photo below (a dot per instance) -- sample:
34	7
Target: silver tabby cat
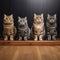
51	27
38	30
8	26
23	29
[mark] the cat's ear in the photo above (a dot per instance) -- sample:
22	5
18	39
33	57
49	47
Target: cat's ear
42	15
4	15
25	18
48	16
11	15
19	17
55	16
34	14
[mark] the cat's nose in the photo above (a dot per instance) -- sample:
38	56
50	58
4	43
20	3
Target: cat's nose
8	20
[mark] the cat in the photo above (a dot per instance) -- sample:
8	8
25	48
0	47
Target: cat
38	30
51	25
8	26
23	29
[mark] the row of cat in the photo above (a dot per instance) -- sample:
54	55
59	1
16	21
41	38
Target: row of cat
37	31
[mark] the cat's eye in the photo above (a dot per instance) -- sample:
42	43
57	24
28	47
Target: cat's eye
10	19
53	18
40	17
36	17
20	20
6	18
50	18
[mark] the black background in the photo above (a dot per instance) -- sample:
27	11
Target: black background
27	8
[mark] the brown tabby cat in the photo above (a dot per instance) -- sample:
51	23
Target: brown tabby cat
38	30
8	25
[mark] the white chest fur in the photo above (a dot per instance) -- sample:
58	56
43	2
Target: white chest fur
39	26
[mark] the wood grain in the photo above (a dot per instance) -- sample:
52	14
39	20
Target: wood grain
29	52
29	43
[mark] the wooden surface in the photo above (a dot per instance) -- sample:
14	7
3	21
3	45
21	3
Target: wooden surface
29	52
29	43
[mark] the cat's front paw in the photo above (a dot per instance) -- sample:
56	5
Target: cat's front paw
54	37
11	39
5	38
41	39
35	39
25	38
20	38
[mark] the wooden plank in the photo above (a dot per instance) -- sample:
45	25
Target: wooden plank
29	52
29	43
